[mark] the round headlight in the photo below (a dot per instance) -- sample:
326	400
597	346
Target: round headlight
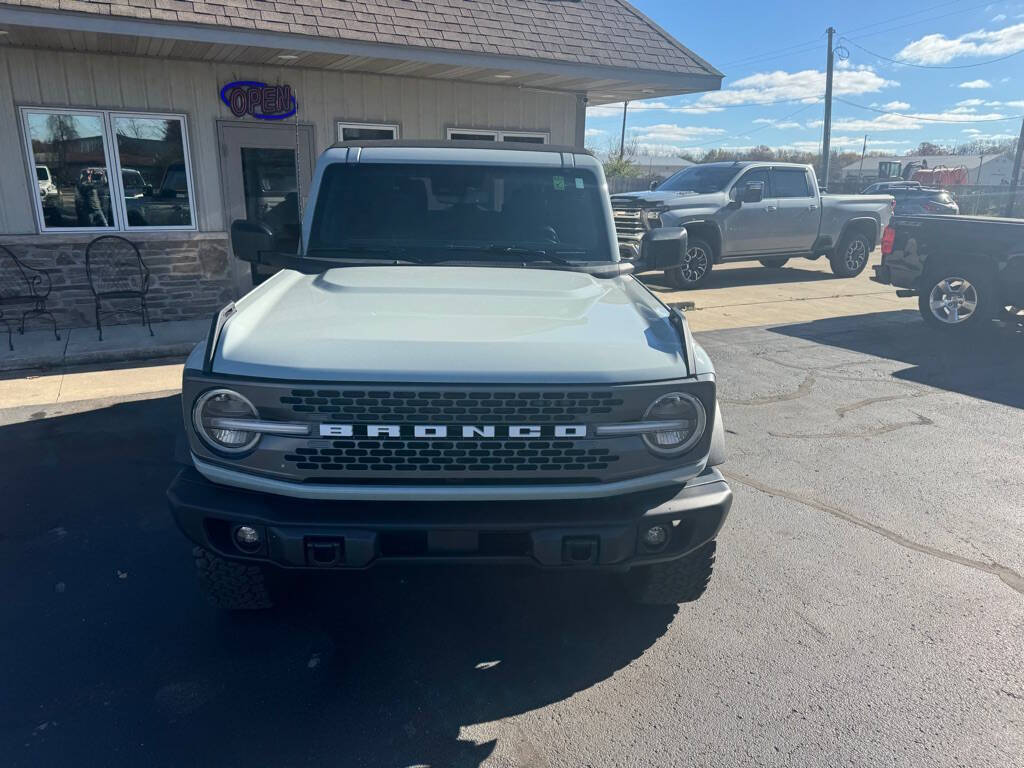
690	420
212	414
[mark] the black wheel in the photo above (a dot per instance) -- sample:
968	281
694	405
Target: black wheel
230	585
851	255
957	296
774	263
695	268
674	582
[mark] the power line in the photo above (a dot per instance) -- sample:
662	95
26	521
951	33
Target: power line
929	9
957	12
929	119
932	66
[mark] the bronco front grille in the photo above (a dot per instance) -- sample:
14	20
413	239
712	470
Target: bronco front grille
452	456
439	407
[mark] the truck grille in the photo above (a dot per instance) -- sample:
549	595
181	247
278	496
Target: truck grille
452	456
629	223
439	407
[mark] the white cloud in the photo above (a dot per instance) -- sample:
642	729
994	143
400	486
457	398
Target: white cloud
783	125
972	131
999	17
615	110
970	103
807	85
910	122
670	132
975	84
939	49
896	106
594	132
1005	79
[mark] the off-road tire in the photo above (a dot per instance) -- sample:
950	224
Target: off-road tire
851	255
982	289
674	582
700	258
774	263
232	586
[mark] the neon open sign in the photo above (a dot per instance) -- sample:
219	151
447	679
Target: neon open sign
262	101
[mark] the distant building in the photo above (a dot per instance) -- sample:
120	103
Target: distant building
985	170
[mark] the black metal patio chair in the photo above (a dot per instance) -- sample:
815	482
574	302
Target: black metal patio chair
116	271
23	285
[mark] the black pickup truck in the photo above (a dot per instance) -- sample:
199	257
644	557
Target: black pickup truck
965	270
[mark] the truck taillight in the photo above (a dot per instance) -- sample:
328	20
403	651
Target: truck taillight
888	239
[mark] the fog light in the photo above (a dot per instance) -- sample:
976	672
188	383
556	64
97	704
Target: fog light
247	538
655	537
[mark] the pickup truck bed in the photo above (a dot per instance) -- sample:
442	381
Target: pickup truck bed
964	269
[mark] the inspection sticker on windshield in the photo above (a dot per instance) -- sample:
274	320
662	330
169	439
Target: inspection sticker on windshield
560	183
579	183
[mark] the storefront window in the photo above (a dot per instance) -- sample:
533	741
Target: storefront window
366	132
71	169
103	170
513	137
154	177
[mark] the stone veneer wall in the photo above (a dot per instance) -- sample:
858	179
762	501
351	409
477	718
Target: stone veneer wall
190	275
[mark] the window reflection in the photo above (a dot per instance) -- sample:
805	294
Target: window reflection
151	152
71	169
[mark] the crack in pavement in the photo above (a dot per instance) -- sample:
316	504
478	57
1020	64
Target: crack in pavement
1011	578
802	391
882	429
842	410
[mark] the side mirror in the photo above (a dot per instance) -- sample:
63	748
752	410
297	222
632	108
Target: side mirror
147	190
251	238
663	248
654	185
752	192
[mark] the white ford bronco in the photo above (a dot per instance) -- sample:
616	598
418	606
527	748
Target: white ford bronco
455	367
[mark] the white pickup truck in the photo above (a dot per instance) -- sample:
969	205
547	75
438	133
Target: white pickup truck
742	211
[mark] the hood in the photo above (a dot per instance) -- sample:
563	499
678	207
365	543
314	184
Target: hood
668	199
450	324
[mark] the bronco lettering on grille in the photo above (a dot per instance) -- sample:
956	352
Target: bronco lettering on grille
471	431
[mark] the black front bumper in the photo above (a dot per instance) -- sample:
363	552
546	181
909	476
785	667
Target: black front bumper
601	533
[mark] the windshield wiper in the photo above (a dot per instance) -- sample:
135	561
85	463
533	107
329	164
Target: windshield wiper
526	255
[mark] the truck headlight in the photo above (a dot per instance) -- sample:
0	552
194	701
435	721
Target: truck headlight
683	420
212	414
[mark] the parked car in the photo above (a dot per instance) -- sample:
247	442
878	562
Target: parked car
965	270
886	187
457	367
769	212
924	200
48	192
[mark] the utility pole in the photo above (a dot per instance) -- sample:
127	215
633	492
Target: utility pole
1015	178
622	141
863	151
827	138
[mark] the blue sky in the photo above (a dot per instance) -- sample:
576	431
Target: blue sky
775	52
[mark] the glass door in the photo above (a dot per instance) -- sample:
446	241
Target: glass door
267	172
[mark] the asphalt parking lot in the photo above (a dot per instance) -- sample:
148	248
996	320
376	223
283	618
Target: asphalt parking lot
867	607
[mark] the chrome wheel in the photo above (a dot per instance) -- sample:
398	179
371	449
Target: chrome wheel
856	255
695	264
953	300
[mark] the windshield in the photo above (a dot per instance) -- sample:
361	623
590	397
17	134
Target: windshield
702	179
42	173
479	211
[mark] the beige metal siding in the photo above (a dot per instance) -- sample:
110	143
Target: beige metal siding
423	108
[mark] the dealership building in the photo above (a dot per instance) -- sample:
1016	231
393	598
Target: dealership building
162	121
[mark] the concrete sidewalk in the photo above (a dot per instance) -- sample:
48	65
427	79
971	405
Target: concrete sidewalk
39	350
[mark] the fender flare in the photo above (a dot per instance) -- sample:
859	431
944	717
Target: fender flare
876	225
706	223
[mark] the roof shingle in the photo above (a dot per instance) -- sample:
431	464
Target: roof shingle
596	32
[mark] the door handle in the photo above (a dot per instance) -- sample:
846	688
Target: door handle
770	208
812	207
